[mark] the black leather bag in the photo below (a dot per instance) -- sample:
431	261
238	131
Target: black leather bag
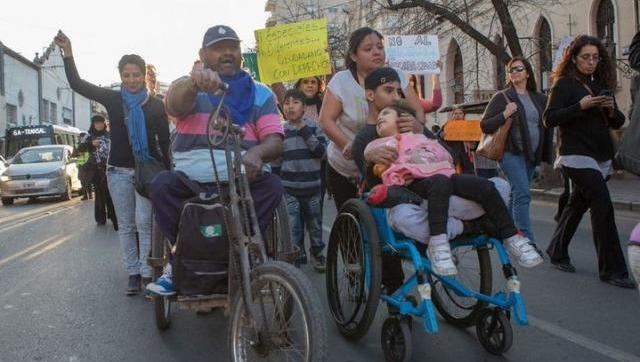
145	171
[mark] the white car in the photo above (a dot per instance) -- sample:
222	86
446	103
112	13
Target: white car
40	171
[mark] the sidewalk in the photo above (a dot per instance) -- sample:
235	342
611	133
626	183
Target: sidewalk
625	193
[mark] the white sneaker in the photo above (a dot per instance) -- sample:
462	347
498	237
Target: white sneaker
441	259
520	248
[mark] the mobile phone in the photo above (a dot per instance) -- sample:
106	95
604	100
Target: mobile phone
605	93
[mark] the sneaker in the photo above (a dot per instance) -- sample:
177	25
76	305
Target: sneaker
441	259
134	284
318	263
521	248
163	286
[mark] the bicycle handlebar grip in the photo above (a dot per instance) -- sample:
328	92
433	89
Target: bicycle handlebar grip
223	86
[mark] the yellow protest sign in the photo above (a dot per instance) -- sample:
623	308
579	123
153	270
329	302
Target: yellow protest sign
293	51
462	130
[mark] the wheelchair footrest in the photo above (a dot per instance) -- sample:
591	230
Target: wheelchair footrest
202	303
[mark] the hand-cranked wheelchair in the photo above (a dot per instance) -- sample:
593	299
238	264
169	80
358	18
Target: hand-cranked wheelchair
361	235
274	311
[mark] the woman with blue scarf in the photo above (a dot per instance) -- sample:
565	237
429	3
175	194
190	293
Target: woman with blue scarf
139	133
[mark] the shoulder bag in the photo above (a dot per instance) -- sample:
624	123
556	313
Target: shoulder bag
492	145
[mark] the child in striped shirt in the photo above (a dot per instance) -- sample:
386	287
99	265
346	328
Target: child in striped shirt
303	149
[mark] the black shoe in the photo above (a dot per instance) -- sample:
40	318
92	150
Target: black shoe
564	266
84	198
318	263
134	285
620	282
115	225
101	222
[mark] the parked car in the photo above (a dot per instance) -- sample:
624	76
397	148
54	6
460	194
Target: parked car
40	171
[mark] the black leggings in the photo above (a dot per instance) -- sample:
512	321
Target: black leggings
590	192
436	190
484	192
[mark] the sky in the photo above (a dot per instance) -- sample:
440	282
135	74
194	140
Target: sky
167	34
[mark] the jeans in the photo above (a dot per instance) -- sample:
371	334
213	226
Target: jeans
519	172
134	215
305	211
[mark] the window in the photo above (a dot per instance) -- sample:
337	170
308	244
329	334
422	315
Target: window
12	114
544	56
67	115
605	27
54	113
458	76
501	73
45	111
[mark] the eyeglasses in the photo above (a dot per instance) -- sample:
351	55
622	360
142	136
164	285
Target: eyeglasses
517	69
587	57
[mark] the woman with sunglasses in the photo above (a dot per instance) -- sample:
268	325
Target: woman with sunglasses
582	105
528	143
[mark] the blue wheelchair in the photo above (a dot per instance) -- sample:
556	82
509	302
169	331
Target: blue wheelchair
359	238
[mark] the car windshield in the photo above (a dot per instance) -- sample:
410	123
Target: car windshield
38	155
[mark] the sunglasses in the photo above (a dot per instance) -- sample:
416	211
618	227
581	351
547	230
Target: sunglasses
517	69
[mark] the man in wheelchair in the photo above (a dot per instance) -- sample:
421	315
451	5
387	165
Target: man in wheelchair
383	90
190	100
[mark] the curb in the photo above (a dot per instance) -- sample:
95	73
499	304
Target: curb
551	195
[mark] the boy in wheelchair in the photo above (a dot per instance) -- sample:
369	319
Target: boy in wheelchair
383	90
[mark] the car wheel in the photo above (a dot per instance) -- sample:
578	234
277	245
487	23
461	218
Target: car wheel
7	201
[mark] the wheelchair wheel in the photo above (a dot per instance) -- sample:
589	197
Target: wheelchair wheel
474	272
288	323
278	238
396	340
162	305
494	331
353	269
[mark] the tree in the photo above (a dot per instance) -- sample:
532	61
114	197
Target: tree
453	8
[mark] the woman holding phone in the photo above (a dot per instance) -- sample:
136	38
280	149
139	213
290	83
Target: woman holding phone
581	105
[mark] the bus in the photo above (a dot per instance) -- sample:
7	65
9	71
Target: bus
18	138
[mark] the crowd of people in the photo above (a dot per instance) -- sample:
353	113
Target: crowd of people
364	131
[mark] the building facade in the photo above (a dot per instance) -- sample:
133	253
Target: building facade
37	92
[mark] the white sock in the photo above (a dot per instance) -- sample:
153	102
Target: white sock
437	240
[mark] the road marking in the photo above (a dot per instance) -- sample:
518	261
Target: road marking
575	338
582	341
25	214
47	248
36	216
25	251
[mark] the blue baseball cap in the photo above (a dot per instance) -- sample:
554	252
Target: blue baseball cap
218	33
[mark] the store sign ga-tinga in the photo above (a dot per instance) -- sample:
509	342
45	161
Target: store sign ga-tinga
29	131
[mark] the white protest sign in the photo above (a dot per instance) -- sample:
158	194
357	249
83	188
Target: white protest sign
564	43
415	54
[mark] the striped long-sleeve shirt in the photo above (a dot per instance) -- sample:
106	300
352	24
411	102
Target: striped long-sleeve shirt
303	150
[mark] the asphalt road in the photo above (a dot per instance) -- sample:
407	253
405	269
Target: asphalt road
62	283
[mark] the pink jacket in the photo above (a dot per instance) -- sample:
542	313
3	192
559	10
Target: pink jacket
418	156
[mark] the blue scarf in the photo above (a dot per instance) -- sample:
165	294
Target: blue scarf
240	97
136	124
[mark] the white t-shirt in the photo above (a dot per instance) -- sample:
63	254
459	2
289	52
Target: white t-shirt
355	110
